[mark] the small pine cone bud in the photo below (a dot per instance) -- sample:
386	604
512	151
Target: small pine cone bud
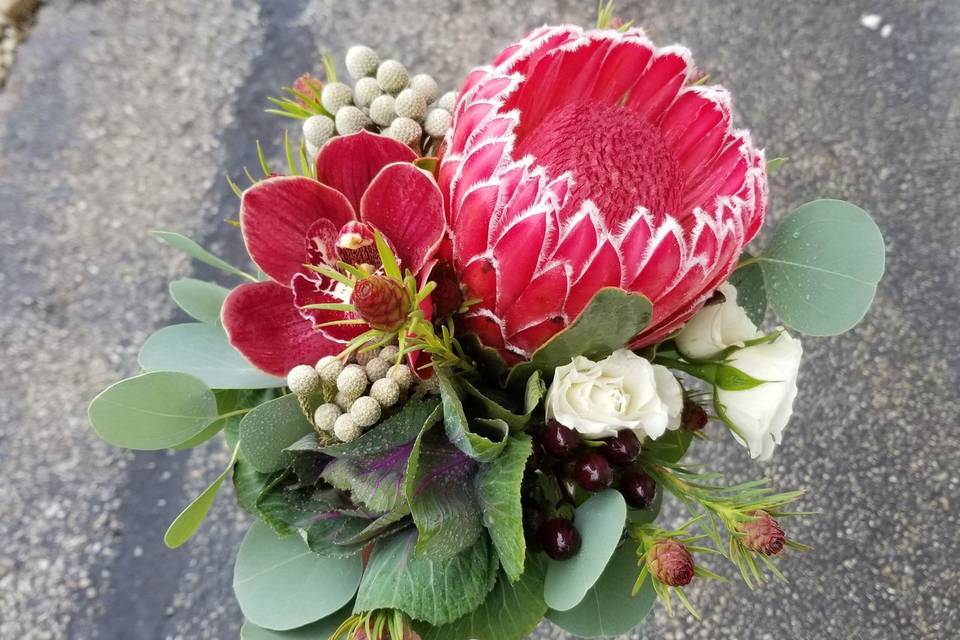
335	96
377	369
365	91
392	76
361	61
365	411
350	119
410	104
389	353
406	130
447	101
437	123
346	428
309	86
317	130
763	534
381	110
386	391
352	381
671	563
447	297
401	374
381	301
364	357
426	86
329	367
303	380
694	417
325	416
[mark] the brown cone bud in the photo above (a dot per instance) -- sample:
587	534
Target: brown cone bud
694	417
671	563
763	534
447	297
310	86
381	301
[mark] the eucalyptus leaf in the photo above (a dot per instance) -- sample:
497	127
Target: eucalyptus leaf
822	267
402	427
269	429
751	293
498	488
194	250
153	411
319	630
266	569
188	522
670	447
202	350
200	300
610	321
608	609
459	430
436	592
600	521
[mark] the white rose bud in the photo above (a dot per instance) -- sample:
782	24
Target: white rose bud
303	380
716	327
761	413
365	411
329	367
346	428
386	391
622	391
326	415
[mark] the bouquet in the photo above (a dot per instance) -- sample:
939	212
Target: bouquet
484	329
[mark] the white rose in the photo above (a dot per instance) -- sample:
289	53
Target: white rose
622	391
761	413
716	327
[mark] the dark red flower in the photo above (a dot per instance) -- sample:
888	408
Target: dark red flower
364	182
383	302
763	534
671	563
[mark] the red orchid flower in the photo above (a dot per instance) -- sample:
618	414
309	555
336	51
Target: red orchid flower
365	182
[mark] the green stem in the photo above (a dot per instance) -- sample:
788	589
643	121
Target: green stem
749	261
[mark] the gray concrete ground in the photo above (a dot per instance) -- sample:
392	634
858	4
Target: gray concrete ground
123	116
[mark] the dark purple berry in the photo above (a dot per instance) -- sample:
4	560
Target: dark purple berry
558	440
622	449
593	472
694	417
638	489
560	539
537	455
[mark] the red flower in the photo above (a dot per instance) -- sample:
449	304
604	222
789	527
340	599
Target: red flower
291	221
671	563
581	160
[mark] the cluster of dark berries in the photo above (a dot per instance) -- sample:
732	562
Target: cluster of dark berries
559	448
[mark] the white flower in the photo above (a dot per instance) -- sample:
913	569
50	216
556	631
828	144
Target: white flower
622	391
761	413
716	327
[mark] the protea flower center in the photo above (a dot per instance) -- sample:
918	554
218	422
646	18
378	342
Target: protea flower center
671	563
616	157
763	534
381	301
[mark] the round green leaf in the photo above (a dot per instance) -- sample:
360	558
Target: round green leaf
201	300
319	630
194	250
821	270
270	428
153	411
202	350
188	522
751	294
600	522
280	584
608	609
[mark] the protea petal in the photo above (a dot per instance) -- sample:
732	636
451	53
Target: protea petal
276	215
350	163
592	156
263	324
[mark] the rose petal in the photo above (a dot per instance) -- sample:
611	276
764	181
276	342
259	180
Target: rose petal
350	163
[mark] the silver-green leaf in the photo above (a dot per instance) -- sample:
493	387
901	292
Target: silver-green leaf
200	300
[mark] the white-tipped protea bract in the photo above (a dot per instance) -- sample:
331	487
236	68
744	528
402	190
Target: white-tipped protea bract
376	369
410	104
426	86
381	110
365	91
401	374
325	416
389	353
447	101
365	411
329	367
351	119
317	130
437	123
346	428
405	130
352	381
386	391
361	61
335	96
303	380
392	76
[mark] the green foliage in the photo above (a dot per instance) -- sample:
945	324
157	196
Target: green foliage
751	294
188	522
375	481
281	584
600	521
153	411
498	489
194	250
200	300
671	446
269	429
319	630
608	323
459	429
400	428
436	592
491	408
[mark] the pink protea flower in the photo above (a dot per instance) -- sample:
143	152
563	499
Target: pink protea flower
364	182
587	159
